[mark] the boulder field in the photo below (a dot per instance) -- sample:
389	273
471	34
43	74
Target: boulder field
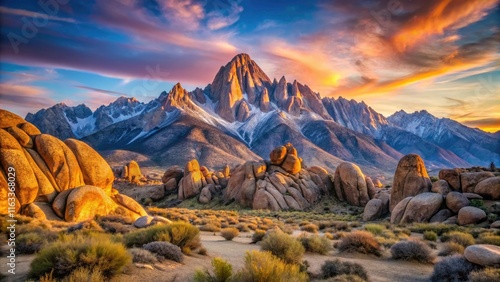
69	175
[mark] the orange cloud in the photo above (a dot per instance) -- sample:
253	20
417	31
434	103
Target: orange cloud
437	17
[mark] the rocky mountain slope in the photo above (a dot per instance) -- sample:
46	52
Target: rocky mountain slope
242	115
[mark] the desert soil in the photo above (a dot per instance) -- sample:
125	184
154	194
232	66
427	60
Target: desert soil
379	269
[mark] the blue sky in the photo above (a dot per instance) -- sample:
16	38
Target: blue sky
439	55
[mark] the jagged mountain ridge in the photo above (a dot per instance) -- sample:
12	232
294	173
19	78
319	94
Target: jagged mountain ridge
243	104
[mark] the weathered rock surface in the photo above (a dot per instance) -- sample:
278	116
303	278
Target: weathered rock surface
410	179
452	176
134	174
470	215
96	171
350	184
441	216
483	254
373	210
469	180
205	195
455	201
441	186
489	188
422	207
399	210
49	170
190	185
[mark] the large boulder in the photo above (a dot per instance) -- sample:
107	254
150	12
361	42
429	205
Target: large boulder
205	195
470	215
83	203
350	184
174	172
489	188
410	179
455	201
60	160
292	164
399	210
441	216
422	207
191	184
370	187
469	180
134	174
278	155
96	171
12	156
483	254
452	177
373	210
441	186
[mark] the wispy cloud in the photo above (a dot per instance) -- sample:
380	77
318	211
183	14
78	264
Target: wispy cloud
32	14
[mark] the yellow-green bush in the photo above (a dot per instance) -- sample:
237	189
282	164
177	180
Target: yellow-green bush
315	244
375	229
485	275
430	235
221	269
258	235
179	233
283	246
229	233
462	238
451	248
264	266
63	257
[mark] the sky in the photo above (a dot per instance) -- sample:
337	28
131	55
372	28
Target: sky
439	55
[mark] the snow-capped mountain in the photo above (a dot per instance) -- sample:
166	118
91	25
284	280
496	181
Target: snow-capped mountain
471	144
77	122
242	115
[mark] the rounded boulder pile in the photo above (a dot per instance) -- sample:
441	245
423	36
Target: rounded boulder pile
69	175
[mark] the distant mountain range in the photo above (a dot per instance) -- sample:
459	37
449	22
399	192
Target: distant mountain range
242	115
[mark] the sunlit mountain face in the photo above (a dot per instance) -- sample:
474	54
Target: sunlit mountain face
440	56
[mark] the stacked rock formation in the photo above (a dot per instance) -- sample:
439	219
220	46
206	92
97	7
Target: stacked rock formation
414	199
69	175
195	180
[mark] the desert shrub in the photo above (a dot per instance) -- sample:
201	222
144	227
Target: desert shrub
85	275
333	268
401	231
439	228
222	272
116	227
93	252
283	246
315	244
462	238
210	227
430	235
310	227
485	275
451	248
375	229
258	235
202	251
453	268
242	227
165	250
264	266
489	239
181	234
142	256
360	241
478	203
31	242
125	220
412	250
328	236
89	225
340	225
229	233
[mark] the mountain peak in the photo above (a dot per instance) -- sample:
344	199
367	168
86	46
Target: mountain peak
239	79
177	98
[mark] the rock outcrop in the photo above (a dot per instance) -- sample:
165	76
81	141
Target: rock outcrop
280	184
470	215
483	254
350	184
420	208
70	175
410	179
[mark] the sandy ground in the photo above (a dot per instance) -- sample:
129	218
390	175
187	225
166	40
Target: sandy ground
379	269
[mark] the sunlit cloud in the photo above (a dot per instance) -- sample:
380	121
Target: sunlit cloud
31	14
